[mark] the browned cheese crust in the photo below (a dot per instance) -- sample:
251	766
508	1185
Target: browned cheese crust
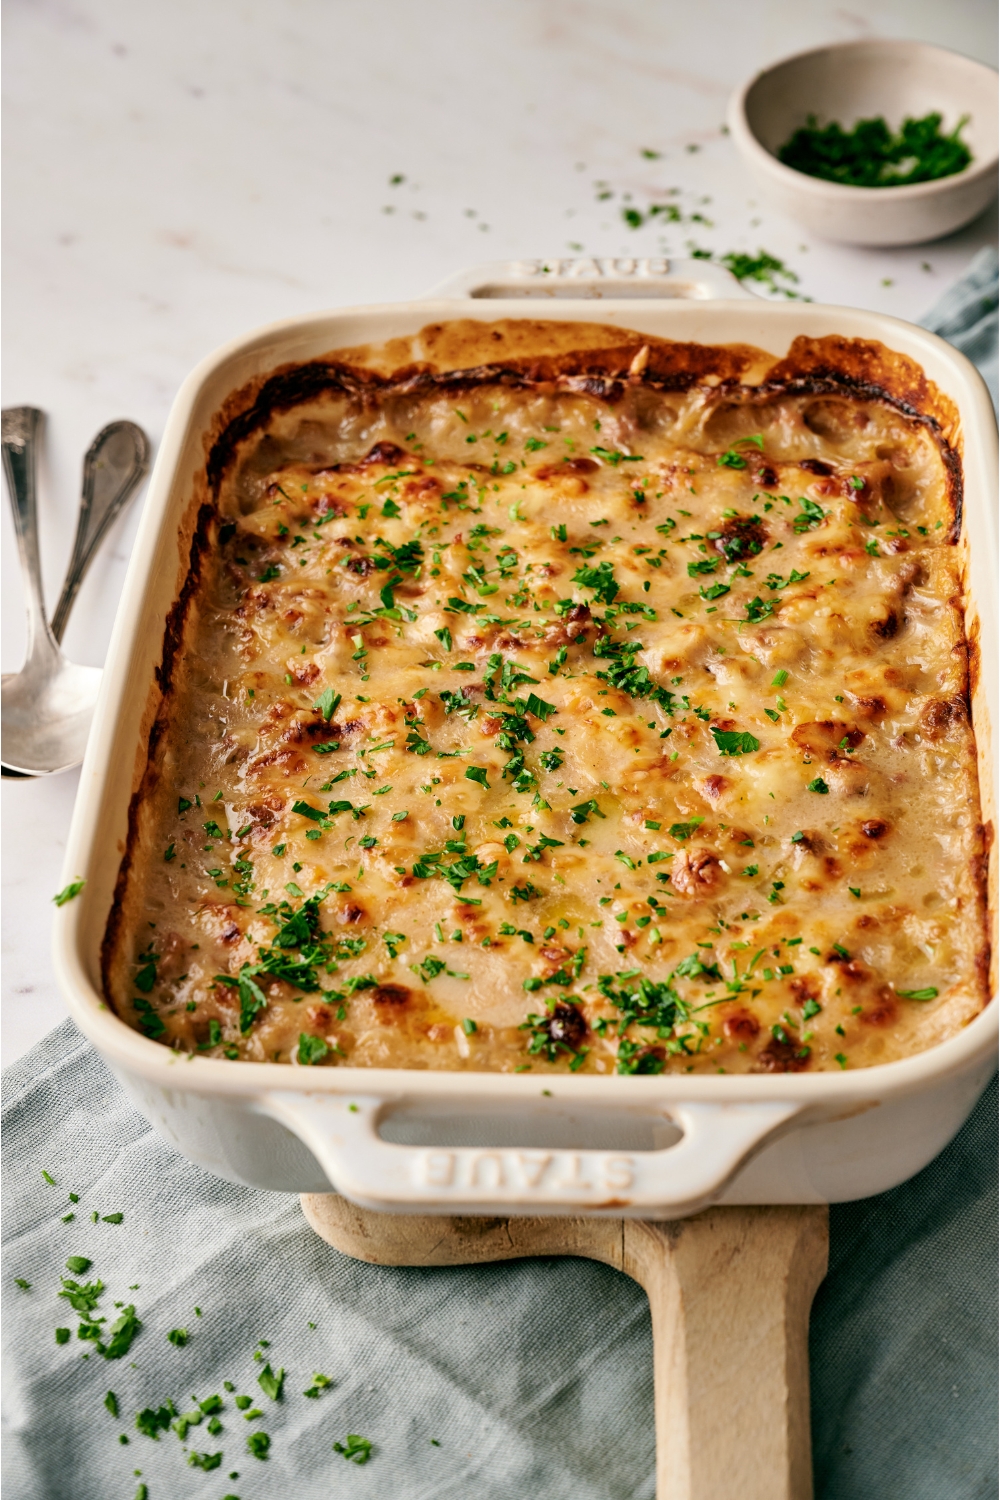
550	697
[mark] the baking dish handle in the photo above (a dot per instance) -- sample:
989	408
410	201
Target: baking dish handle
343	1135
595	277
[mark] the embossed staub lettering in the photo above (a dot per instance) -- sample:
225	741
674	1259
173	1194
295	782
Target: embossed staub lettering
583	267
570	1177
437	1168
514	1173
619	1171
486	1169
533	1168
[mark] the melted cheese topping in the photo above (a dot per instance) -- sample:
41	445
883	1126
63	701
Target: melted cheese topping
522	730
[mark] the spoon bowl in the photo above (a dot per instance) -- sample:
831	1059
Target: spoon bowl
48	706
47	711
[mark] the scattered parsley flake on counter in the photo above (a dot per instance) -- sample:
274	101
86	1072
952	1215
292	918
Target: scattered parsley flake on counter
152	1422
62	1335
271	1382
258	1443
178	1337
356	1448
111	1402
112	1218
206	1461
78	1264
319	1383
69	891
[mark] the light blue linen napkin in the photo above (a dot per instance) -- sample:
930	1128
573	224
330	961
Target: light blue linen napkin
966	316
524	1379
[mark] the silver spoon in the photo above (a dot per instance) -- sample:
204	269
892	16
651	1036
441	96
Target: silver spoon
47	707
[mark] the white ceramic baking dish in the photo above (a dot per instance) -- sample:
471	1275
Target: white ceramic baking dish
406	1140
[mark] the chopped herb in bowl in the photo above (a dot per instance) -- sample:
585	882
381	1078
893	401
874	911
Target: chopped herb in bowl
871	155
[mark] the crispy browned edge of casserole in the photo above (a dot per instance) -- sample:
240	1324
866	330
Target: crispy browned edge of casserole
462	354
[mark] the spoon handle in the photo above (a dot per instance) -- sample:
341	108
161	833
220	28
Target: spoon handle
20	431
113	466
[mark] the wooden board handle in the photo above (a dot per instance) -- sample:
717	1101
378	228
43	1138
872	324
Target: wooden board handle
729	1293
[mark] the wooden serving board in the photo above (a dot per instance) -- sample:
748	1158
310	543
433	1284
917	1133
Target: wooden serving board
729	1292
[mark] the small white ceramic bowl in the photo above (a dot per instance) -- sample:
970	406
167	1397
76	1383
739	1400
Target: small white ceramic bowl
855	81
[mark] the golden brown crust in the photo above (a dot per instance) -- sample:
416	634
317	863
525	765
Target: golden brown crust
324	435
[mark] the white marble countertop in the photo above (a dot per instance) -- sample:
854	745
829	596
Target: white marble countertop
179	173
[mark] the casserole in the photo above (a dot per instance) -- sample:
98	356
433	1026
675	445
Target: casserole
646	1146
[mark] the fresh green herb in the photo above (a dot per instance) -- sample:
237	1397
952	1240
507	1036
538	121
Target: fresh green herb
583	811
818	785
271	1382
759	609
319	1383
779	679
151	1423
178	1337
24	1285
601	579
812	516
258	1443
477	773
311	1049
871	155
733	742
355	1448
928	994
62	1335
69	891
731	459
206	1461
123	1330
78	1264
327	704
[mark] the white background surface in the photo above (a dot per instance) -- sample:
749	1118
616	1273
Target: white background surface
178	172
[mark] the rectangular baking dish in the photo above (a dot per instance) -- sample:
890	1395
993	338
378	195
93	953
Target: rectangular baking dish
406	1140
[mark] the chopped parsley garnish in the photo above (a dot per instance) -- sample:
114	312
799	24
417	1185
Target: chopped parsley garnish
206	1461
818	785
758	609
271	1382
812	515
258	1444
69	891
311	1049
583	811
601	579
733	742
356	1448
152	1422
926	994
874	156
327	704
319	1383
614	456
